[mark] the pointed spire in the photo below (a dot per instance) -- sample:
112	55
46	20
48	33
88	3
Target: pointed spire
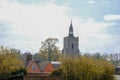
71	23
71	30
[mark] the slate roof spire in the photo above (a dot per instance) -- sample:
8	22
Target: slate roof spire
71	30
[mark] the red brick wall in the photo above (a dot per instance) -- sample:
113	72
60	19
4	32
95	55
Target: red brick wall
43	77
36	70
49	68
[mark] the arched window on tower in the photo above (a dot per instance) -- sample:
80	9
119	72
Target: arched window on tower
72	46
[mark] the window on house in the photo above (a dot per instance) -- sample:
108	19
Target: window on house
33	67
72	46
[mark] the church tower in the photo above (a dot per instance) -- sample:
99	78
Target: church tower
71	44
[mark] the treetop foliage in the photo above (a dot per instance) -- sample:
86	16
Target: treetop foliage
49	50
83	68
9	62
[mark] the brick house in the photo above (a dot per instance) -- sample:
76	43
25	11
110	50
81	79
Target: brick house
33	67
40	68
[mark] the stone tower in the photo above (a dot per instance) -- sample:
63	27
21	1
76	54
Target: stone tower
71	44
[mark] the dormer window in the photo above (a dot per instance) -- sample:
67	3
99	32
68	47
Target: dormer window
33	67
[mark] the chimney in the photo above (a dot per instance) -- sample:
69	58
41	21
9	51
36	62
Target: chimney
28	58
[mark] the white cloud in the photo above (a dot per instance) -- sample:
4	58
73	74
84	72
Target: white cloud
112	17
93	36
91	2
33	23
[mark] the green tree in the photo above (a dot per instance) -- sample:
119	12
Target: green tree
50	49
83	68
87	55
40	56
10	62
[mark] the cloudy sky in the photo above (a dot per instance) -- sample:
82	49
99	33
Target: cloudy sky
25	23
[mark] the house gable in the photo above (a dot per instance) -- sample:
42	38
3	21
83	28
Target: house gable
33	68
49	68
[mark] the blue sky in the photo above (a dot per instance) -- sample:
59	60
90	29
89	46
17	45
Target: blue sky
25	23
